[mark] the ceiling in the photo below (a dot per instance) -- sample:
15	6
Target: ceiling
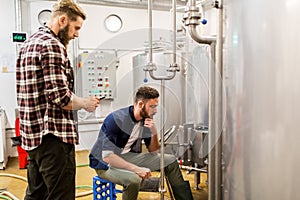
143	4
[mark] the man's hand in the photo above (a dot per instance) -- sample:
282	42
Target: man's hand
149	123
143	172
118	162
154	144
91	103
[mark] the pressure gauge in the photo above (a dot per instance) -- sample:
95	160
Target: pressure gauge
113	23
44	17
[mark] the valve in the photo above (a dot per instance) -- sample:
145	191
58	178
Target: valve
204	21
174	68
145	79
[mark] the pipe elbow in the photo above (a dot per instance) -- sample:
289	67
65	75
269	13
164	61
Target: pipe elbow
200	39
169	77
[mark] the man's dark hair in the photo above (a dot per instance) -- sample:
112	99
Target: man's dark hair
145	93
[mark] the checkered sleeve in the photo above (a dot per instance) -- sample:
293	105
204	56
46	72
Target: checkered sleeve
56	69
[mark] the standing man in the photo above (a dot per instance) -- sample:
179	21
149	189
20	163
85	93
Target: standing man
117	154
45	83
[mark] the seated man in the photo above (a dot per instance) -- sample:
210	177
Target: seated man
117	154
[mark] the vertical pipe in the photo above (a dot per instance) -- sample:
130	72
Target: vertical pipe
215	102
162	148
174	31
150	31
162	78
192	2
18	15
197	177
18	20
211	127
218	106
189	144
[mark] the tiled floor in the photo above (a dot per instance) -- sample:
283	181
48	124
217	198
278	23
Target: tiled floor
84	178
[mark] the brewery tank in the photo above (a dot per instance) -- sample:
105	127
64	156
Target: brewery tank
261	140
186	95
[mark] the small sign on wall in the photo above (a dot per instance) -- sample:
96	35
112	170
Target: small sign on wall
19	37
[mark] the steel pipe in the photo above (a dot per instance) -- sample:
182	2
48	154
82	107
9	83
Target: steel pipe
211	127
193	169
142	4
198	38
219	105
18	15
215	96
162	189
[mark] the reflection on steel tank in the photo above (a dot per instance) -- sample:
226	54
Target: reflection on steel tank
261	61
186	95
174	107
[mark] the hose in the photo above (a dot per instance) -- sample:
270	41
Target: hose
25	179
84	186
10	195
82	165
4	197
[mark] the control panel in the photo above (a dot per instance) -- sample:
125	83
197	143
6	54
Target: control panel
96	74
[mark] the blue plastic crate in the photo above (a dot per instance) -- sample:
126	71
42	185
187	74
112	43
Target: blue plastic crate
104	190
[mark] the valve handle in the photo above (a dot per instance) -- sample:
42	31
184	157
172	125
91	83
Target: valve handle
204	21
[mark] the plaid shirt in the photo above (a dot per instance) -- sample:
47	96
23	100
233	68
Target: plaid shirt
45	82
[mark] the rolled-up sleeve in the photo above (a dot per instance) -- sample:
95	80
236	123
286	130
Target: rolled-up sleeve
57	74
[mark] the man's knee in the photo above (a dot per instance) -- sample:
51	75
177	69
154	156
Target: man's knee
169	159
133	181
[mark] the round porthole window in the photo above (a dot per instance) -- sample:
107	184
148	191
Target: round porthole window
113	23
44	17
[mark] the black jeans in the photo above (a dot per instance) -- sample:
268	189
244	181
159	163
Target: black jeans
51	171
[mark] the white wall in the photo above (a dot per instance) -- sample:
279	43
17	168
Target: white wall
7	21
7	59
7	66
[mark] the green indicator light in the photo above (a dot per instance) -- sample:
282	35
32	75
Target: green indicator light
18	37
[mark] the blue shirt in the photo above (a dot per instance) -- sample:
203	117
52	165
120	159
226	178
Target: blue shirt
114	134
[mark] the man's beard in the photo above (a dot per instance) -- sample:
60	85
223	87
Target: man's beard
63	35
144	114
